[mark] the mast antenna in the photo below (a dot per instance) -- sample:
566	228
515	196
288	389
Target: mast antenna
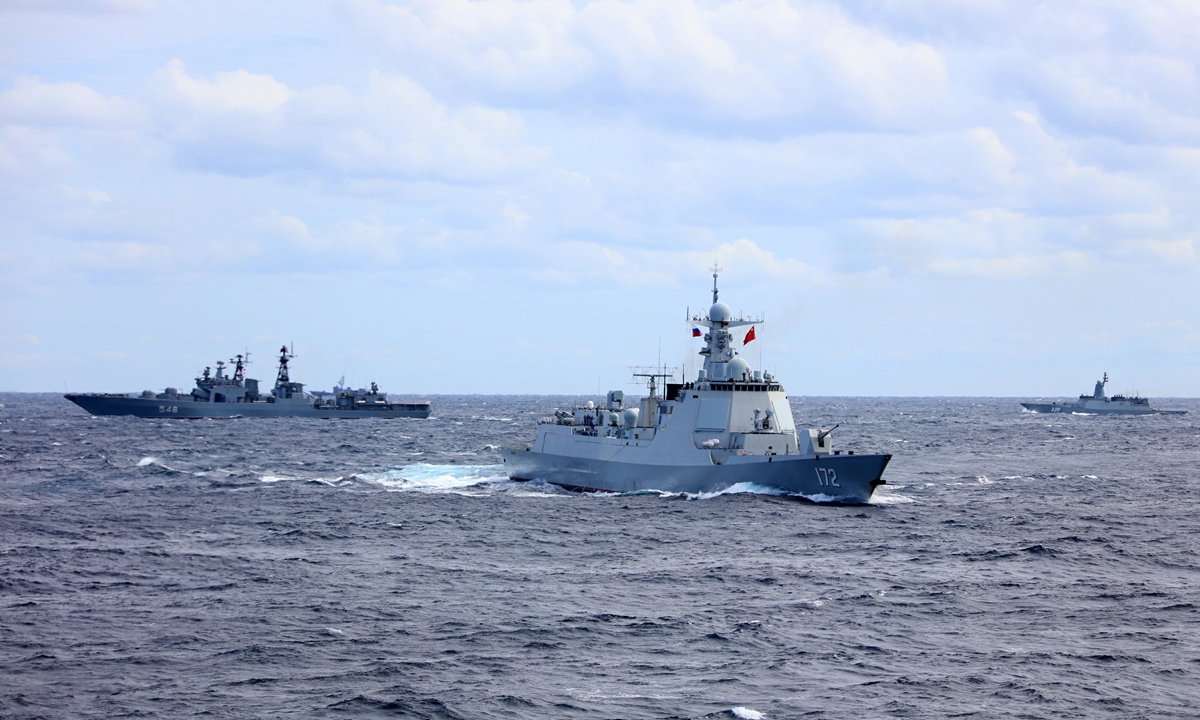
715	269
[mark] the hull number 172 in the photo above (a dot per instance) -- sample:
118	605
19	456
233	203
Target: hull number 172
827	477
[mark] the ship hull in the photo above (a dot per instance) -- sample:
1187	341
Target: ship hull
98	404
1105	409
835	478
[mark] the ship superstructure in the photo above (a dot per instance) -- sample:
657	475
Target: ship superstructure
732	424
1100	404
234	395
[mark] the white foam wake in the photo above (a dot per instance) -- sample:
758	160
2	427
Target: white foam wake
742	487
424	477
887	496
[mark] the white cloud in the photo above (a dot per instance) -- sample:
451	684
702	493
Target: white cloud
1020	265
803	64
248	124
908	178
1181	252
32	102
239	94
348	242
26	152
96	197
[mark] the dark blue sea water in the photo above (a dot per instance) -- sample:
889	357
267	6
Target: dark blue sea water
1016	565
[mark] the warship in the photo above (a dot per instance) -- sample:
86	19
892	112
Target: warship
732	425
222	395
1099	404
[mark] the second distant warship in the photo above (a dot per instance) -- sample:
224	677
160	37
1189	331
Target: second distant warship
223	395
1099	404
732	425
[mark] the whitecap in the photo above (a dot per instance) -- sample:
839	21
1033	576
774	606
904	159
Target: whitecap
334	482
745	713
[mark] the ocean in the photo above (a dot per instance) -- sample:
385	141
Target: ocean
1015	566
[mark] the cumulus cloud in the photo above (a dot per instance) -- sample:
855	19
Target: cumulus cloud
245	123
888	154
26	152
580	263
350	241
759	62
1091	67
71	104
235	96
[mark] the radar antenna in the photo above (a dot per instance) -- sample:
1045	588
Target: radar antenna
652	376
715	269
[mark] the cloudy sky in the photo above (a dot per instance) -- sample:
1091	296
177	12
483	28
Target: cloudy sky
929	197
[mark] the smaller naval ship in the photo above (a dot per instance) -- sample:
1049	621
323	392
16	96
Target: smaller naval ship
731	425
235	395
1099	404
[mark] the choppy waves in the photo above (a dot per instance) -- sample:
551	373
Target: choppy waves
1011	567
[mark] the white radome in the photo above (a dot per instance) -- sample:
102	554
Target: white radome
739	369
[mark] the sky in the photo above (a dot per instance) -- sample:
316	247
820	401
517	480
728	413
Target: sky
928	197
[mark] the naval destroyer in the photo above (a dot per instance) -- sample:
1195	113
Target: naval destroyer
731	425
235	395
1099	404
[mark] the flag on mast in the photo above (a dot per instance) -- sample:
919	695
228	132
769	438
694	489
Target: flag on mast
696	332
749	336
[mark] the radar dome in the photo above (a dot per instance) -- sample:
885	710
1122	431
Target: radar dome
719	312
739	369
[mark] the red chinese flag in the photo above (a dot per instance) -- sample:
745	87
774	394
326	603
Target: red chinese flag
749	336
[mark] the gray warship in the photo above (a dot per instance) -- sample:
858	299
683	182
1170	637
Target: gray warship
1099	404
732	425
222	395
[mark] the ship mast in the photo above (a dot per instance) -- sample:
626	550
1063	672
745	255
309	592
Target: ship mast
719	350
239	368
284	356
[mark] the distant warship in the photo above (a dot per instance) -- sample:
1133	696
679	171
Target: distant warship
1098	404
221	395
732	425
